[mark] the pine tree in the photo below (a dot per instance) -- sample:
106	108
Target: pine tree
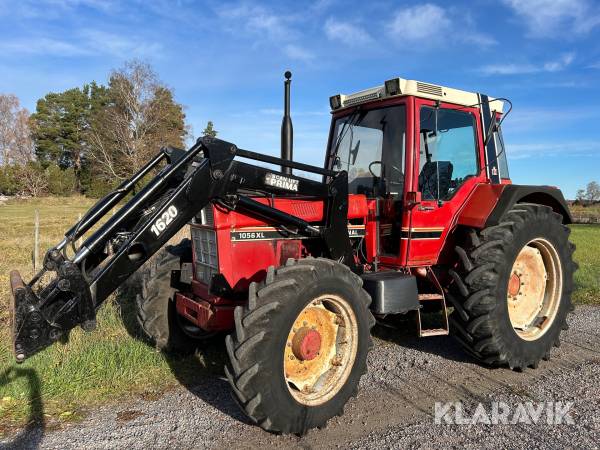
61	126
209	130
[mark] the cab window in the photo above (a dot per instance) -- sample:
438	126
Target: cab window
369	145
447	152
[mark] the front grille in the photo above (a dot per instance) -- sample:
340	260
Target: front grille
205	249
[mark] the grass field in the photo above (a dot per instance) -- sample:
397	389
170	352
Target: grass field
64	381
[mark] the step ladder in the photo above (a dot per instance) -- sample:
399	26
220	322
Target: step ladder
443	328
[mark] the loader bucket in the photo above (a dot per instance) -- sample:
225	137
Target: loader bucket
31	331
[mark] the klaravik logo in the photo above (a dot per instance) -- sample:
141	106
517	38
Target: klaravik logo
551	413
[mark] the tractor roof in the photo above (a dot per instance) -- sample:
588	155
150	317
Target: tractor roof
402	87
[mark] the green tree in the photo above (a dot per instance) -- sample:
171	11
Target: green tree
61	126
61	182
209	130
9	180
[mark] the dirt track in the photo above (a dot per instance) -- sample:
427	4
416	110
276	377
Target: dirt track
394	408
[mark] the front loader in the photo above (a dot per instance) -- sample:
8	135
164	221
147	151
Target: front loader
414	213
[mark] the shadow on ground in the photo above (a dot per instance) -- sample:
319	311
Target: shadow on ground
403	330
32	434
200	373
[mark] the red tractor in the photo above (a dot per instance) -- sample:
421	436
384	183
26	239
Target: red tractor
414	213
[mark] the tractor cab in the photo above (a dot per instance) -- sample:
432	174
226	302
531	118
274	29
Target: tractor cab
417	151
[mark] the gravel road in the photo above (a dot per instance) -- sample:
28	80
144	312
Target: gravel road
395	407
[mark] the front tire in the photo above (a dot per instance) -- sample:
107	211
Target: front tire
156	311
300	345
513	288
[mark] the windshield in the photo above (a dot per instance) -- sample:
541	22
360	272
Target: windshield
369	144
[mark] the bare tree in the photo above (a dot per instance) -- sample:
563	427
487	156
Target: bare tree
592	192
33	179
16	144
139	118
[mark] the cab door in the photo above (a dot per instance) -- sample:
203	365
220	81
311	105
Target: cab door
448	162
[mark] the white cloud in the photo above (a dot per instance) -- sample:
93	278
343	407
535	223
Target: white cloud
42	46
320	6
299	53
52	9
256	20
547	149
87	43
560	64
119	45
347	33
430	24
477	38
524	118
552	18
420	23
527	68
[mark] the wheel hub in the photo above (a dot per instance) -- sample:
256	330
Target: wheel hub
306	344
514	285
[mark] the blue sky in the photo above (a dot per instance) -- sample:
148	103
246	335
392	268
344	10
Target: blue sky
225	61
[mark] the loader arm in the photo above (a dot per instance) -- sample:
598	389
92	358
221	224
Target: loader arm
205	173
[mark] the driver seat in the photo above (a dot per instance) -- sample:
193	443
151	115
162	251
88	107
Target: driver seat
428	179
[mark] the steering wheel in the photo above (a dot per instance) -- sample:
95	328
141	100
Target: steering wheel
371	170
379	162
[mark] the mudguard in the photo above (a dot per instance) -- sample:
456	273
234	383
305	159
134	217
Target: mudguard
489	202
542	195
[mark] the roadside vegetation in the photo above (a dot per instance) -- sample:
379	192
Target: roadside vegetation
63	382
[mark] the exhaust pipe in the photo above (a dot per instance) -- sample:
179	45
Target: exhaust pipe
287	131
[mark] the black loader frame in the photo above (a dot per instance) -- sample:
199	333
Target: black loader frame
189	181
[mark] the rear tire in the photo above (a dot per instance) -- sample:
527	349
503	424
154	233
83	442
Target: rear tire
261	347
487	290
156	311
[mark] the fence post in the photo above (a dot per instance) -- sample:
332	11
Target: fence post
36	240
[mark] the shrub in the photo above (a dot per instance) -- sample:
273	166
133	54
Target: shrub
61	182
